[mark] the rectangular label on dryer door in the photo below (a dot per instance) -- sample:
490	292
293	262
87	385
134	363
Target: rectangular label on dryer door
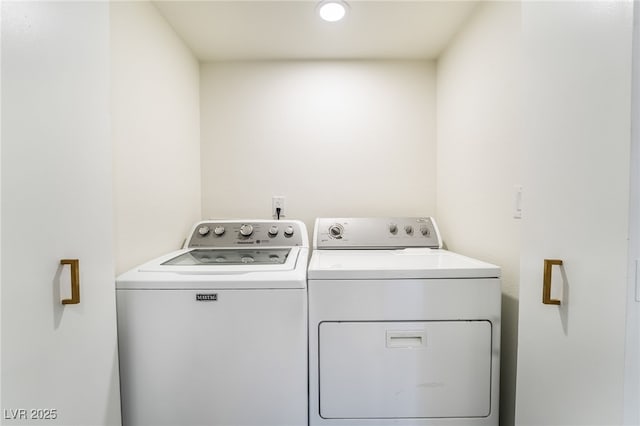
397	369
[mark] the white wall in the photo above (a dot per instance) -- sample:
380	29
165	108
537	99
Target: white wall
337	138
156	134
478	158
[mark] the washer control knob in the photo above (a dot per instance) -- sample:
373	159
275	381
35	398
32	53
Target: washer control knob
203	230
288	231
393	228
408	229
218	230
273	231
246	230
335	231
424	230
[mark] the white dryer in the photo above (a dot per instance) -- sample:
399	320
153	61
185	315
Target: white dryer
216	333
400	331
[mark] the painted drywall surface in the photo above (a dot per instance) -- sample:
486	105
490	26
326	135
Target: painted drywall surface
478	158
337	138
156	134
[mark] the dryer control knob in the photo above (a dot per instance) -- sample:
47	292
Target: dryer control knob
273	231
335	231
288	231
393	228
246	230
408	229
424	230
203	230
219	230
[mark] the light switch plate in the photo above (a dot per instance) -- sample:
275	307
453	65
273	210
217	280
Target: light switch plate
637	280
517	201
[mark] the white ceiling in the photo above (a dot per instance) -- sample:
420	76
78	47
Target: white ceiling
265	29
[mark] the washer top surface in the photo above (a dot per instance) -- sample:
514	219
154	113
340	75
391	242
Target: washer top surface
239	254
387	248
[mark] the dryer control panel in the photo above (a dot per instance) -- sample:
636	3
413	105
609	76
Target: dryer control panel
257	233
376	233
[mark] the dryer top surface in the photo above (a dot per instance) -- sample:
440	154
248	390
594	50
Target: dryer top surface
408	263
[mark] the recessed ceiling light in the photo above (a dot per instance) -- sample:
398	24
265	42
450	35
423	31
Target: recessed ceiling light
332	10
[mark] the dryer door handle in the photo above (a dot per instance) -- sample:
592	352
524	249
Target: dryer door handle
406	339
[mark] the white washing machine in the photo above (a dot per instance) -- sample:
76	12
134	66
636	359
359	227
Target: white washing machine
216	333
401	332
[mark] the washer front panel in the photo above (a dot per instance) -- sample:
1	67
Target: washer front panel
223	357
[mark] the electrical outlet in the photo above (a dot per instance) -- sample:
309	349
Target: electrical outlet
277	202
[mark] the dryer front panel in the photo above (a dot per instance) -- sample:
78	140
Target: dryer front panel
404	369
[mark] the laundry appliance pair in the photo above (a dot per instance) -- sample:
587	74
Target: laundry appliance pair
383	328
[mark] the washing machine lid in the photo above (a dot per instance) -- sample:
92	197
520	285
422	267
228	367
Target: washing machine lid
226	257
215	261
271	268
408	263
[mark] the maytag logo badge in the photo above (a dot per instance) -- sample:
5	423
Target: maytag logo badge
211	297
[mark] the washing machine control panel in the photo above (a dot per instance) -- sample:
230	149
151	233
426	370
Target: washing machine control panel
238	233
372	233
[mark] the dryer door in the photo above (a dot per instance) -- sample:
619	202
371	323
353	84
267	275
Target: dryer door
391	369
